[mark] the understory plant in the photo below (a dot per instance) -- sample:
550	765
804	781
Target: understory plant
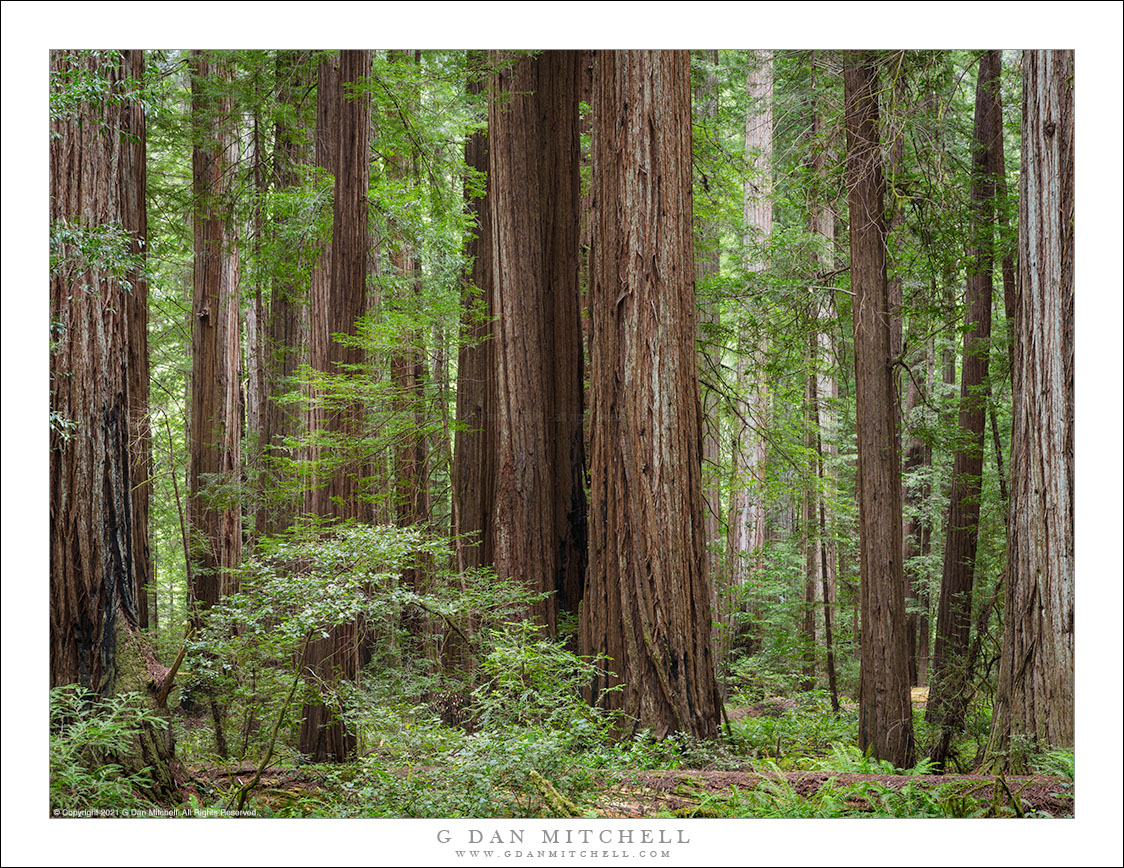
89	736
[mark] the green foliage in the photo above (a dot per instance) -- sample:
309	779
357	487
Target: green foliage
90	78
88	736
797	737
1055	762
529	681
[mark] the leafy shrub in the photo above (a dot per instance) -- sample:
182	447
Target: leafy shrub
531	681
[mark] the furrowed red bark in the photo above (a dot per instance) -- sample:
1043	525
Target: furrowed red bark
474	477
540	510
216	402
647	601
885	716
339	300
95	361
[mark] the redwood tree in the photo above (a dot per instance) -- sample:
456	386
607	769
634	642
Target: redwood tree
540	509
647	601
286	324
97	360
1034	695
746	527
885	715
474	478
954	610
216	410
339	299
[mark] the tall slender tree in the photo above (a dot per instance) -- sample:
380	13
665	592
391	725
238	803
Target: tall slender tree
885	715
286	325
707	263
1035	691
216	400
647	603
954	611
407	364
338	301
917	528
474	478
135	223
746	528
820	557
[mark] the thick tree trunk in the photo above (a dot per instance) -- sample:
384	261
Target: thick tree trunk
647	602
343	147
954	609
1034	695
885	716
540	510
94	572
216	401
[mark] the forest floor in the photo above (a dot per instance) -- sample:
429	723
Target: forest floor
704	793
729	788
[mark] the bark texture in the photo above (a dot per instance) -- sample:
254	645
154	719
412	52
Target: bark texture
94	571
954	609
339	299
540	509
885	716
474	477
286	325
135	223
647	601
214	512
1035	692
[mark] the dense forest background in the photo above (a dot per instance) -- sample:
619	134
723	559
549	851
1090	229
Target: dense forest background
772	348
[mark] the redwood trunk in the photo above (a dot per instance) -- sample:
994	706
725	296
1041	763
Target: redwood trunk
135	222
647	600
93	528
916	531
288	306
540	510
339	299
474	476
1034	696
954	610
885	716
216	403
